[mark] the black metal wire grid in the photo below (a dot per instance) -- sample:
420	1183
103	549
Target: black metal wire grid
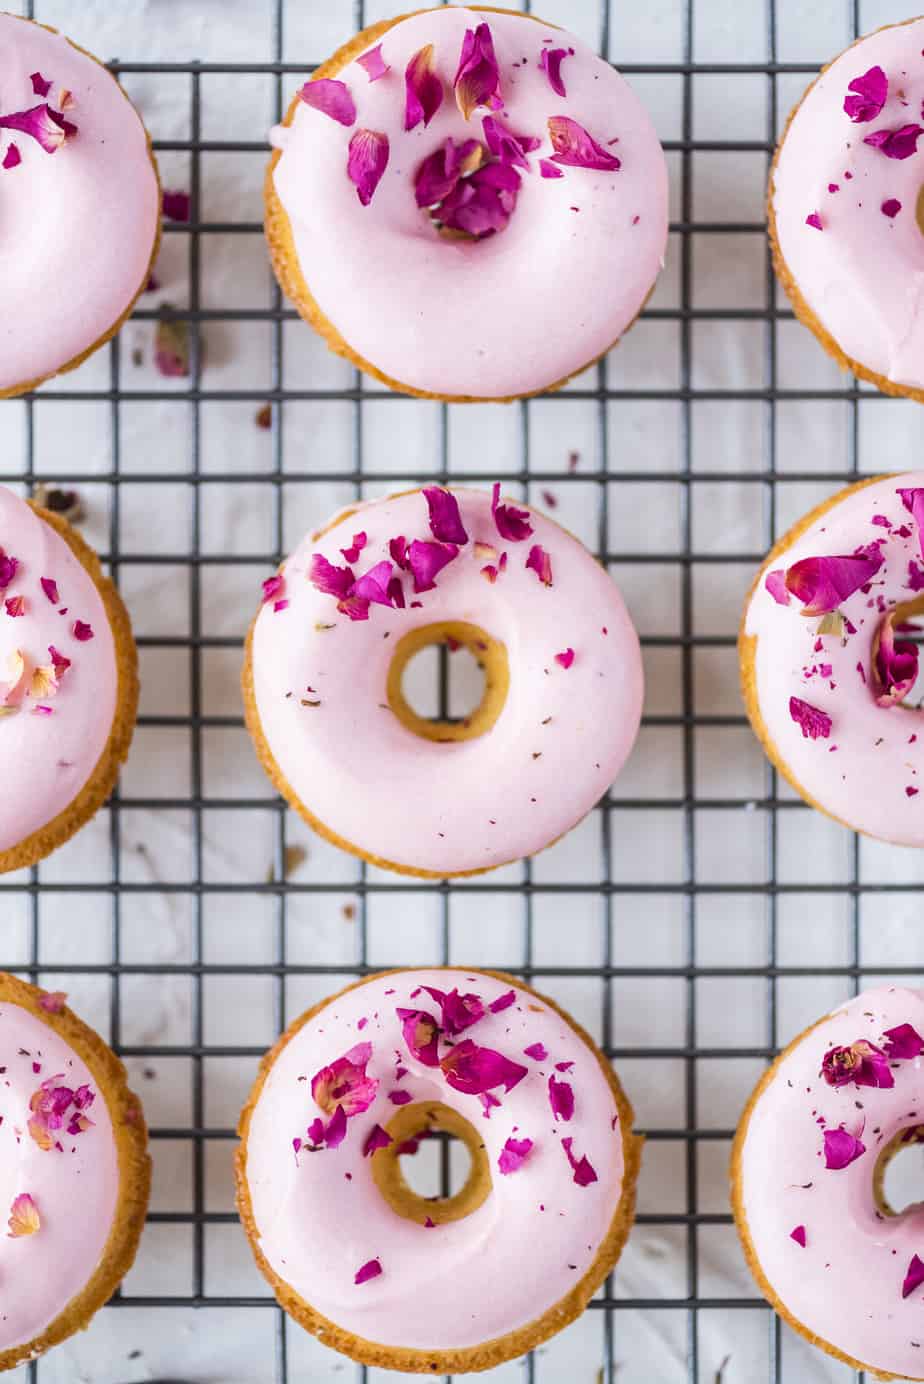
687	1130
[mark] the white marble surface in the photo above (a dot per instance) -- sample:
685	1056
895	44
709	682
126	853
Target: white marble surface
229	1345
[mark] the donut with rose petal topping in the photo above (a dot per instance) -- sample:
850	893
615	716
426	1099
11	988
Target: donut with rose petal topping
827	665
81	205
827	1250
68	682
844	211
467	203
466	1281
344	615
74	1172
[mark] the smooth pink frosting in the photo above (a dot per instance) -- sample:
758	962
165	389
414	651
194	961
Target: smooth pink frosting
47	759
516	311
75	1189
467	1281
845	1285
862	275
861	771
557	745
78	226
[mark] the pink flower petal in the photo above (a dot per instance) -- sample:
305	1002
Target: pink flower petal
576	148
513	1155
367	161
53	1001
814	723
582	1169
176	204
841	1149
477	80
505	145
12	158
547	169
398	550
331	580
814	220
335	1133
423	90
775	582
47	127
374	585
900	143
914	1276
438	174
445	520
895	666
50	588
798	1235
344	1084
427	560
24	1217
537	1051
913	500
891	207
866	96
15	606
483	203
473	1070
862	1063
823	583
561	1098
378	1138
458	1012
400	1097
550	62
332	98
352	553
421	1034
372	1269
8	569
40	87
540	563
903	1043
565	659
355	607
503	1002
272	587
373	64
82	632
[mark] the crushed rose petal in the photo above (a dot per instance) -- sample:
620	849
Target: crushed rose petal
378	1138
513	1155
576	148
775	582
565	659
24	1217
445	520
47	127
421	1033
50	588
584	1173
866	96
900	143
540	562
503	1002
550	63
561	1098
344	1083
512	524
472	1070
477	79
823	583
895	664
371	1269
52	1001
841	1149
813	723
798	1235
82	632
458	1012
12	158
423	90
427	560
366	162
914	1276
862	1063
332	98
373	64
272	587
537	1051
903	1043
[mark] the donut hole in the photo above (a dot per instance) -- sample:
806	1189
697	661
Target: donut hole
448	681
423	1191
898	1178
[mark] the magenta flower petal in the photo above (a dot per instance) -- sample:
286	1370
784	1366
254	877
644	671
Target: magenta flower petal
355	607
8	568
550	62
398	550
47	127
503	1002
366	162
473	1070
333	581
332	98
373	586
335	1133
537	1051
423	90
565	659
51	589
576	148
814	220
512	524
344	1084
862	1062
427	560
272	587
82	632
891	207
352	553
775	582
445	520
584	1173
378	1138
438	174
866	96
561	1098
914	1276
841	1149
823	583
505	145
477	80
373	64
547	169
814	723
904	1043
422	1034
372	1269
895	665
896	144
396	593
12	158
798	1235
540	563
458	1012
483	203
913	500
40	87
513	1155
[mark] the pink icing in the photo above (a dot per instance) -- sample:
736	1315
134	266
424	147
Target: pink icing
47	759
75	1191
865	781
488	800
78	226
469	1280
845	1285
862	277
523	308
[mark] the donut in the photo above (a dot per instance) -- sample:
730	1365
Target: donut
74	1172
449	1285
826	667
844	211
68	682
827	1251
343	616
467	203
81	204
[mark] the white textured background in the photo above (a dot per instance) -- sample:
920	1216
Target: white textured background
699	1041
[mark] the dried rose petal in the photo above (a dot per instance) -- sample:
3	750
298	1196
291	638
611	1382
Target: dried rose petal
565	659
775	582
896	144
869	96
8	568
52	1001
576	148
914	1276
814	723
12	158
512	524
540	563
438	174
272	587
584	1173
40	87
472	1070
423	90
366	162
427	560
814	220
505	145
372	1269
82	632
335	1133
373	64
798	1235
823	583
550	62
477	80
55	1108
58	661
176	204
537	1051
458	1012
44	681
330	97
547	169
913	500
15	672
50	588
47	127
503	1002
421	1033
561	1098
903	1043
331	580
513	1155
398	550
352	553
24	1217
374	585
895	665
345	1083
15	606
841	1149
445	520
862	1063
378	1138
891	207
482	204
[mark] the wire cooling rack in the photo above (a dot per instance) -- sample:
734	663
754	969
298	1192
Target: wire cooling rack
698	919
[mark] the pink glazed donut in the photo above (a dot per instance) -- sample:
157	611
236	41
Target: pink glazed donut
346	612
825	1247
436	1285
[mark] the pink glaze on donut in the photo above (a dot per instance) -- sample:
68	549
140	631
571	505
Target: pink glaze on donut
521	308
846	1283
859	759
54	720
73	1183
78	225
846	209
321	1218
563	734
